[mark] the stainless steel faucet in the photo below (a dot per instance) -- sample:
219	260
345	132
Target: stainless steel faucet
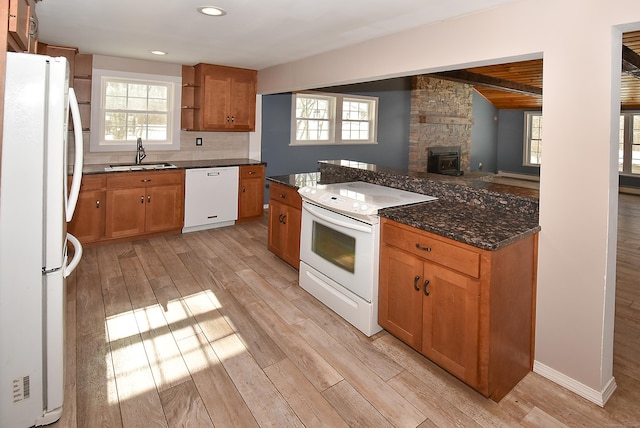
140	153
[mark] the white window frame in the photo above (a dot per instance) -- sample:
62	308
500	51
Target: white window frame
98	143
335	119
628	143
526	152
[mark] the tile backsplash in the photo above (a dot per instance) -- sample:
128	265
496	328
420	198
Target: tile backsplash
215	145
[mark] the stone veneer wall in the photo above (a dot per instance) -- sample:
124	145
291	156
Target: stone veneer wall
441	115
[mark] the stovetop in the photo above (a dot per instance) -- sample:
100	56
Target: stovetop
360	199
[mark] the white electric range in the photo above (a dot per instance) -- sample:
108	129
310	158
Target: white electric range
339	246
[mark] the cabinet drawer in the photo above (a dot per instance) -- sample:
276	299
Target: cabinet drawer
430	247
284	194
251	171
93	182
137	179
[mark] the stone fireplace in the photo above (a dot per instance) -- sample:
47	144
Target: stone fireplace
441	116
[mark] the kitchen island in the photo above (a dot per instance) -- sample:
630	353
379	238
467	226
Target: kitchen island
457	276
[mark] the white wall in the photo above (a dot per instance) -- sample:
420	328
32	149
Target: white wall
581	48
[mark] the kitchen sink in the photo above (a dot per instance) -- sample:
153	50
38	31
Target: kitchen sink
140	167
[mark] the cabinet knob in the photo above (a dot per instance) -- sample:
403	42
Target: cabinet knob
244	189
420	247
251	172
146	180
426	284
142	199
149	198
415	282
233	119
283	196
98	204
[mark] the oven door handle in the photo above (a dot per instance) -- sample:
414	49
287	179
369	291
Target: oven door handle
316	212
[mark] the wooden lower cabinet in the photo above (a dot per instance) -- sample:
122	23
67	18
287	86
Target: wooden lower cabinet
125	205
285	216
468	310
88	221
250	192
145	202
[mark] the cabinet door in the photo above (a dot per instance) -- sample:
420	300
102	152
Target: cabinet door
243	100
251	198
276	238
216	92
125	213
291	251
450	321
400	295
19	24
89	218
164	208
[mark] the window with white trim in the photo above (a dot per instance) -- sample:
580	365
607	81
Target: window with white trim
532	139
629	143
132	106
135	109
322	118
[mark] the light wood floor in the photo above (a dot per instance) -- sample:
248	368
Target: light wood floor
210	329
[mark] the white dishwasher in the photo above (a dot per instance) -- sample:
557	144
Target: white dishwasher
210	198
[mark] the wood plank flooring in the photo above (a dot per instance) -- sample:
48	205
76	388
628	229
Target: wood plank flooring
210	329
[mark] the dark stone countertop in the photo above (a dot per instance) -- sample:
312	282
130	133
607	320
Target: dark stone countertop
203	163
468	209
299	180
488	228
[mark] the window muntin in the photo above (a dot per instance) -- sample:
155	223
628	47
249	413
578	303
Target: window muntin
320	118
533	139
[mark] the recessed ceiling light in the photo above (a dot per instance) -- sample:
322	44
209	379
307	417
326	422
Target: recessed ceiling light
158	52
212	11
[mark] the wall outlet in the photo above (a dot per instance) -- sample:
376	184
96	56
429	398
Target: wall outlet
198	141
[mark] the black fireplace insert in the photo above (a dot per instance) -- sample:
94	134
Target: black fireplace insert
444	160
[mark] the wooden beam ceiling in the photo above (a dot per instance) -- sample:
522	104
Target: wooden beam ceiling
476	79
518	85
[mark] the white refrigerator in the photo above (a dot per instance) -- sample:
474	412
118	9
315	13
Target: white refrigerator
35	205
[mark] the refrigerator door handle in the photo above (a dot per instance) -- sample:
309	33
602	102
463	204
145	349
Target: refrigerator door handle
77	255
77	165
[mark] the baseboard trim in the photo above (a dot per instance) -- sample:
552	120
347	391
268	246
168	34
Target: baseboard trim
598	397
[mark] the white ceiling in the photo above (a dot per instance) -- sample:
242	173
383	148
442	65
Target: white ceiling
254	34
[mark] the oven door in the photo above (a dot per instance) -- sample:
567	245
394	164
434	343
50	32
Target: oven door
340	247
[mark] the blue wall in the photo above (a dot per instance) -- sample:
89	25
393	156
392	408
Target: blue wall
498	145
392	150
484	135
510	142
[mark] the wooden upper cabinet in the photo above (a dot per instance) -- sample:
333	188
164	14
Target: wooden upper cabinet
224	98
23	26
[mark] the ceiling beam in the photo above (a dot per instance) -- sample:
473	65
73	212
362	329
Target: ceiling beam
630	62
476	79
